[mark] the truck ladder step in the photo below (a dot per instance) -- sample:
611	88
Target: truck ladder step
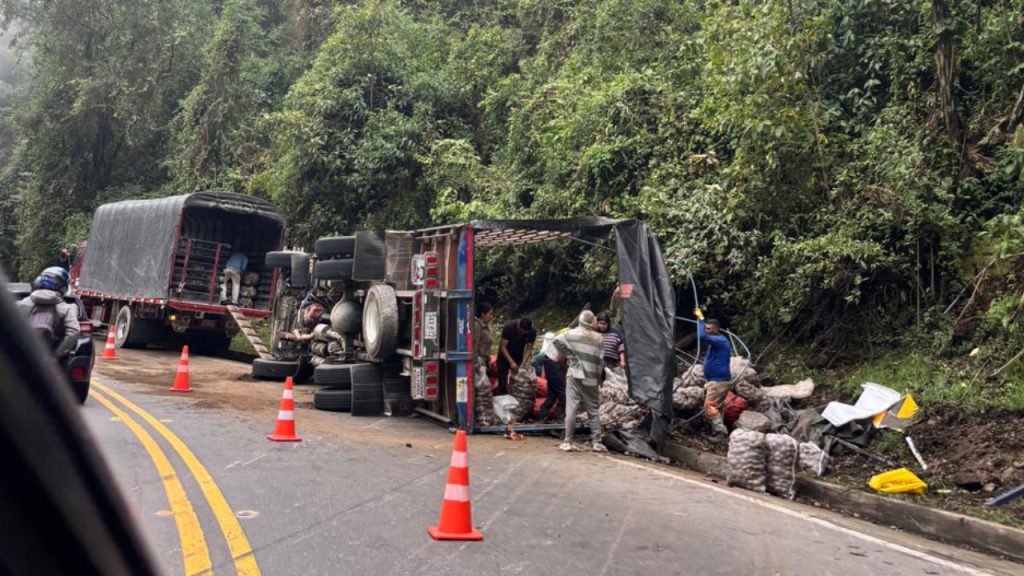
250	333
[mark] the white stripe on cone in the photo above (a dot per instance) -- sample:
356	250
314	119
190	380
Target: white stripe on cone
456	493
460	460
182	368
286	415
287	395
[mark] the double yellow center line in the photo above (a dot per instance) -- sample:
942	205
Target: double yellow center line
193	542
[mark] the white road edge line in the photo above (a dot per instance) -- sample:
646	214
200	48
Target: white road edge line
819	521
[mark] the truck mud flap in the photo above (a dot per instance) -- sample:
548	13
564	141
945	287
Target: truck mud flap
370	256
367	390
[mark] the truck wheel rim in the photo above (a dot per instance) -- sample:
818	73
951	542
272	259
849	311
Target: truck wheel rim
370	323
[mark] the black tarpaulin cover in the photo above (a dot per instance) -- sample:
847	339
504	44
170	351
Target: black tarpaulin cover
648	302
131	244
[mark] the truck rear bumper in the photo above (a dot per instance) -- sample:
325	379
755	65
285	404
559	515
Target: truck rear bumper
215	309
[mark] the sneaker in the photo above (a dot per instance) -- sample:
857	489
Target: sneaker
598	447
718	438
566	447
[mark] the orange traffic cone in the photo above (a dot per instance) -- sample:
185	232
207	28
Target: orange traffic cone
181	380
110	352
456	521
285	429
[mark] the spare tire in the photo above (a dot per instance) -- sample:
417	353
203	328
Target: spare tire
332	399
280	259
274	369
380	322
335	247
300	275
333	374
333	269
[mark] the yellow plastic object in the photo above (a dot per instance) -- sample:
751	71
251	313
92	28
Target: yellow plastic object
898	481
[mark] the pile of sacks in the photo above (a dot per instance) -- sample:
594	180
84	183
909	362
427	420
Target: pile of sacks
768	462
618	411
688	388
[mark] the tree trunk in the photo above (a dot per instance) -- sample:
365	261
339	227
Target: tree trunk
945	68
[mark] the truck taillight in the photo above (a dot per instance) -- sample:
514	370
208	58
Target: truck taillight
432	380
78	373
431	281
86	327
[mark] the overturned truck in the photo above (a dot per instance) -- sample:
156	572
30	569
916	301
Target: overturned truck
383	319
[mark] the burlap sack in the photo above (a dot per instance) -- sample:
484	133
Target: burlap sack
813	458
688	399
522	385
754	421
783	454
748	460
483	400
751	392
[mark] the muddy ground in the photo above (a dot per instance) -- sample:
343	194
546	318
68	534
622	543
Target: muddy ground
970	459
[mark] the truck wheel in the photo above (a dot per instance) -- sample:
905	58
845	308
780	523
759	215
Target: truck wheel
332	399
300	271
281	259
339	375
274	369
129	331
335	247
333	269
380	321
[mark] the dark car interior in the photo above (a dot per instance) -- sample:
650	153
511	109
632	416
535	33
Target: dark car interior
61	512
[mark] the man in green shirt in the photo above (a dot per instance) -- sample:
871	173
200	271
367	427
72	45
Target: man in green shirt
581	348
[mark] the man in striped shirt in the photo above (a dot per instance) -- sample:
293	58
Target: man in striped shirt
581	347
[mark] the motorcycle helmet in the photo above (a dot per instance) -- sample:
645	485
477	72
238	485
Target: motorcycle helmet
53	278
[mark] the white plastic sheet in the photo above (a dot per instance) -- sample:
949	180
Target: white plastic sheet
873	400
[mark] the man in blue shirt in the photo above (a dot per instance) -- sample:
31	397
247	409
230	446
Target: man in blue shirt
716	371
233	273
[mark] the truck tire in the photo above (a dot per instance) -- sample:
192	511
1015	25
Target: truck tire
300	277
339	375
281	259
333	269
132	332
274	369
335	247
332	399
380	322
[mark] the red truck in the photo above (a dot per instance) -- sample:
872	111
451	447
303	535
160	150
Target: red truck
153	269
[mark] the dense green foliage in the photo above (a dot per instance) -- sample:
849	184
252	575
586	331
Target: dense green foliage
830	172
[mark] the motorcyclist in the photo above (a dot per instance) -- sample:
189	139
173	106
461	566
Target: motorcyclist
48	313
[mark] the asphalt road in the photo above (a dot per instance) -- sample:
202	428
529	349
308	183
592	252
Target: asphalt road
357	494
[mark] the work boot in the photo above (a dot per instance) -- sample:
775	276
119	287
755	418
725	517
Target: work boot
721	433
